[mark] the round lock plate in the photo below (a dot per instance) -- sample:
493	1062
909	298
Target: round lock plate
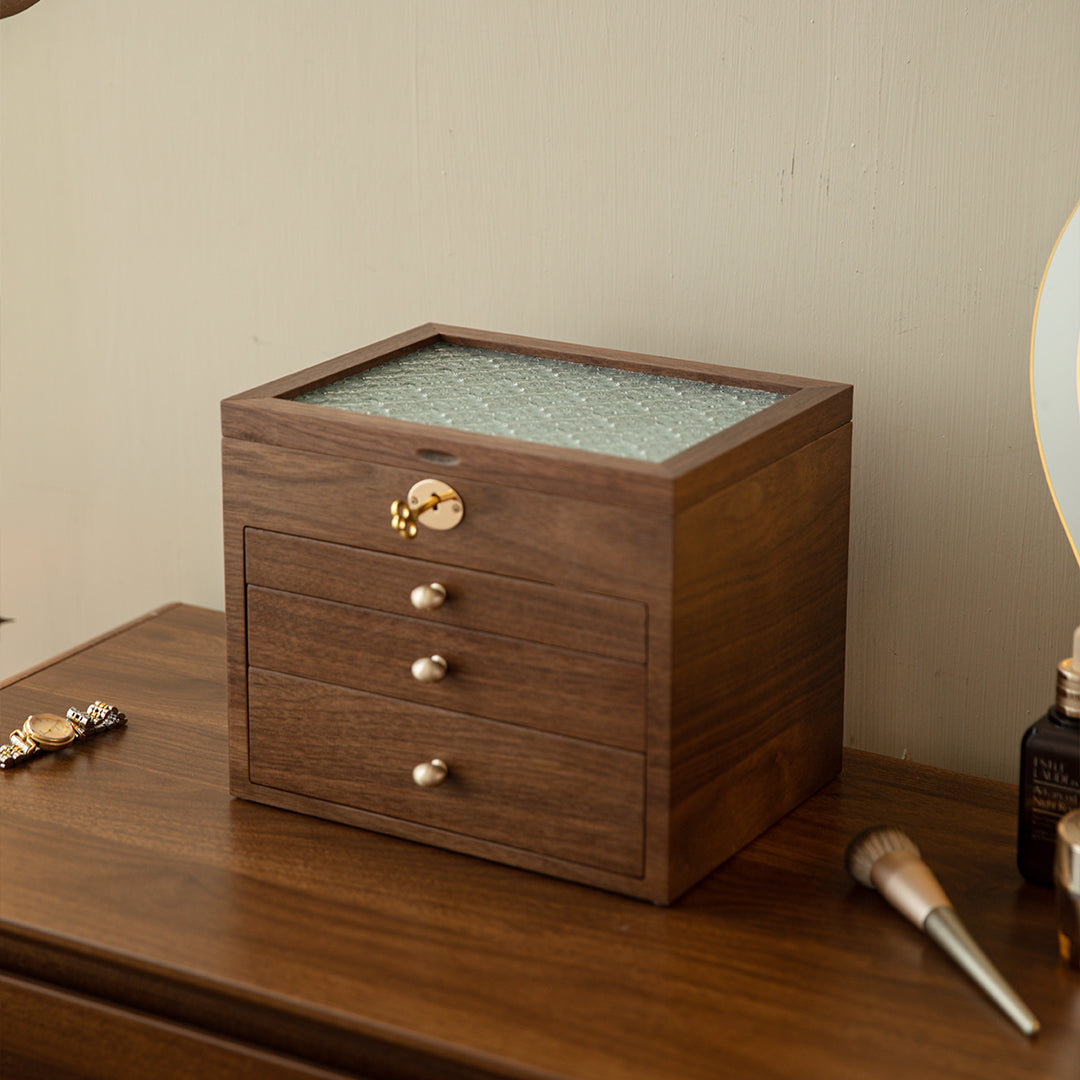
445	514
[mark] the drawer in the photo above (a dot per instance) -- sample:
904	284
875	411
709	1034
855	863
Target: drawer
102	1041
570	543
571	693
545	793
582	621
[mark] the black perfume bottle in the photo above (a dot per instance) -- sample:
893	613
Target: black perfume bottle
1050	774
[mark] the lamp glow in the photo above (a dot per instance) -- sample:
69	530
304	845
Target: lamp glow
1055	377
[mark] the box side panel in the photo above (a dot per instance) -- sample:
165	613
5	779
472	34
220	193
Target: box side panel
756	442
234	520
759	632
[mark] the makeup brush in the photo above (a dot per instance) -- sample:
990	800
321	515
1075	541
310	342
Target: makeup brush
885	859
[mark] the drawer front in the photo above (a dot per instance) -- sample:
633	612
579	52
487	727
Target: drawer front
575	694
556	796
585	622
572	543
101	1041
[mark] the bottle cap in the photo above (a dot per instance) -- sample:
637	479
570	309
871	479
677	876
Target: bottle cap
1068	681
1067	860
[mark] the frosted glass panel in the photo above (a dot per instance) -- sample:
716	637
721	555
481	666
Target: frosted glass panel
580	406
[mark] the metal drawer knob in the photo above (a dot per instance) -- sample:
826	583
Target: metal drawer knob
428	597
430	773
429	669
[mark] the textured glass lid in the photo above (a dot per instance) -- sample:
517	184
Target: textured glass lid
573	405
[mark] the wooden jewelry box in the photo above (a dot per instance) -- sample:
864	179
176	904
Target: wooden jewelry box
601	634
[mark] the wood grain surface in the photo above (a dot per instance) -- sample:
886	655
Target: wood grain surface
759	643
132	882
713	548
576	694
562	797
571	619
812	408
570	542
866	192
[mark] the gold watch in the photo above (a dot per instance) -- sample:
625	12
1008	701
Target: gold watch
43	732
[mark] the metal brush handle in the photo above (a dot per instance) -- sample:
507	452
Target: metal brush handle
945	927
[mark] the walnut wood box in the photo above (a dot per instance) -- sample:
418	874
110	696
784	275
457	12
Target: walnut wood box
644	659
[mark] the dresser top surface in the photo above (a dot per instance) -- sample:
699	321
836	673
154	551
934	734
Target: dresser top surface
129	874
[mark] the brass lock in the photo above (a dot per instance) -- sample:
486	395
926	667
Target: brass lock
431	503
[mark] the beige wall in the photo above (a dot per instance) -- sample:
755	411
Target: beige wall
200	196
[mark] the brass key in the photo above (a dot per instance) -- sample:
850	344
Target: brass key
431	503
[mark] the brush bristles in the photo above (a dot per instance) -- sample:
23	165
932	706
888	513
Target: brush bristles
866	848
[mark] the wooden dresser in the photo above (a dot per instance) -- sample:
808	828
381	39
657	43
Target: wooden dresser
611	669
152	926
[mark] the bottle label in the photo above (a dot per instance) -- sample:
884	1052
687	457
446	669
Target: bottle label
1054	791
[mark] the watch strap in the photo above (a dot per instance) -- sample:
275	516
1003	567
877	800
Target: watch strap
21	745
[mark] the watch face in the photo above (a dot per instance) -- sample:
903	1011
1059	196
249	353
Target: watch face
48	730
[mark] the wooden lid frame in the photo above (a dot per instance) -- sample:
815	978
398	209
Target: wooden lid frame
812	408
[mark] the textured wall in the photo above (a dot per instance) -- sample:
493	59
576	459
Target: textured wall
200	196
